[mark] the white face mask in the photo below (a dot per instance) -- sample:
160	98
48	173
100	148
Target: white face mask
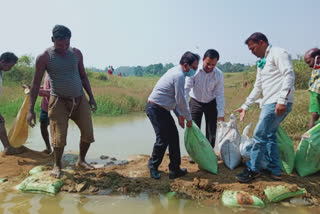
316	66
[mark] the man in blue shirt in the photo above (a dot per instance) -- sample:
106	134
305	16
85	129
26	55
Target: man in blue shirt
168	94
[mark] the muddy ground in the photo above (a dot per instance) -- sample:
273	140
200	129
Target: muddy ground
133	178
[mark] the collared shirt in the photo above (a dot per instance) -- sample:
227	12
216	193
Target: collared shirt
169	92
204	87
314	82
275	81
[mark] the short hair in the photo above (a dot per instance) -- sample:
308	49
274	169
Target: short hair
211	53
189	58
315	53
8	57
61	32
256	37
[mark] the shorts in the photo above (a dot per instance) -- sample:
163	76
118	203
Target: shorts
44	119
60	110
314	102
1	119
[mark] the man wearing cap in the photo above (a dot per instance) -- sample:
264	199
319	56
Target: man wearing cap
7	61
65	68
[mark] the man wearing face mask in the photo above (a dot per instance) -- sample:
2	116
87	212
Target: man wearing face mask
206	89
312	58
167	95
275	80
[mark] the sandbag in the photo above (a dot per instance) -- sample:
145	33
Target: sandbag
36	170
199	149
286	151
281	192
18	133
41	182
228	141
245	143
2	180
232	198
308	152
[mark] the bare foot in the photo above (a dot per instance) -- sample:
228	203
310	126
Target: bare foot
56	172
84	165
12	151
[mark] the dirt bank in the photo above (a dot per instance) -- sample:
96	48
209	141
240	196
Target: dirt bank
133	178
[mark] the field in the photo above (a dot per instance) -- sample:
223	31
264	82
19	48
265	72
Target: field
122	95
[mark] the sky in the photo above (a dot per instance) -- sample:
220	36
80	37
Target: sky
144	32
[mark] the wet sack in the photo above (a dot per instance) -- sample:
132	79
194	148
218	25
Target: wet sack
308	152
228	142
199	149
41	182
232	198
286	151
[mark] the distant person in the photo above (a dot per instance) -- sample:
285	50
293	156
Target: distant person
110	71
120	75
44	92
312	58
206	89
7	61
65	68
168	94
275	80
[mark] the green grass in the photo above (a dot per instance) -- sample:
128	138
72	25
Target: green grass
122	95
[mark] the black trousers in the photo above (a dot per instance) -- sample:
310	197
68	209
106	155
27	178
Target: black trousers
210	113
166	136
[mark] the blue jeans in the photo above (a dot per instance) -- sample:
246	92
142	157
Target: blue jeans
265	140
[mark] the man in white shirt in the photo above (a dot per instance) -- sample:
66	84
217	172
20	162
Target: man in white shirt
206	90
275	80
7	61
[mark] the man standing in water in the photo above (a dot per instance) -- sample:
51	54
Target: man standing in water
65	68
44	92
7	61
168	94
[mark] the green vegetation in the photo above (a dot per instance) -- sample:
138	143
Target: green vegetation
121	95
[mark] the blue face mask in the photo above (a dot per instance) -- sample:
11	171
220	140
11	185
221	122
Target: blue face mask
190	73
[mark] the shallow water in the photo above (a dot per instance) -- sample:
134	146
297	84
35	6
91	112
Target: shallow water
118	137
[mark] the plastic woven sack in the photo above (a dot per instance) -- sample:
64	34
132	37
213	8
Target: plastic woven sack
41	182
232	198
286	151
36	170
18	133
280	192
228	141
199	149
246	141
308	152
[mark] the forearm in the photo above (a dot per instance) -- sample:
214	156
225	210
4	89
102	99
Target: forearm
33	96
86	85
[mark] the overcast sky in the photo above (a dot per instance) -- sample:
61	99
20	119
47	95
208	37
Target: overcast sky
143	32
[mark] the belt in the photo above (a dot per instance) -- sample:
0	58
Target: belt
149	101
